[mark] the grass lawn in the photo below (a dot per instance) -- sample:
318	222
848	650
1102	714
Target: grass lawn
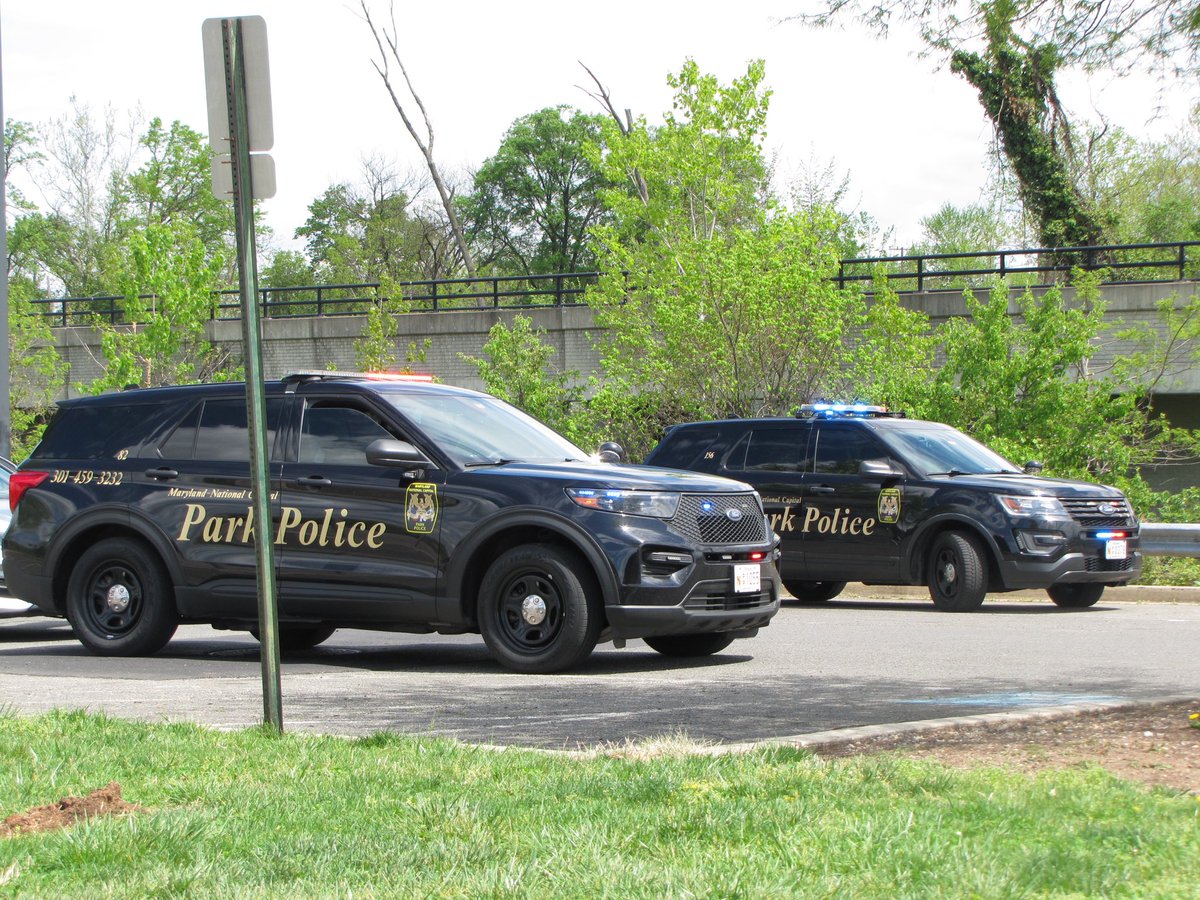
251	813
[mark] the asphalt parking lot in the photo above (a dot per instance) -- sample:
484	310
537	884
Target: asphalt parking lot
850	663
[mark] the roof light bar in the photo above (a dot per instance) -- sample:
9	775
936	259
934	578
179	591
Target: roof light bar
845	410
367	376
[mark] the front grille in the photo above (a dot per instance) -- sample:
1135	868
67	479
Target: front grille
1088	512
704	518
1096	564
721	602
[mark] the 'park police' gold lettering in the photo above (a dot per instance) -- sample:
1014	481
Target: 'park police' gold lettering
823	522
334	528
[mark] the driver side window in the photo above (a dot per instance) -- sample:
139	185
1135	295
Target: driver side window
339	435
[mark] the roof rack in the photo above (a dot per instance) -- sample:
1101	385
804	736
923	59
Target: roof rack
846	411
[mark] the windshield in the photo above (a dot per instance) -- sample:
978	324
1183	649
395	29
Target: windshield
479	430
945	451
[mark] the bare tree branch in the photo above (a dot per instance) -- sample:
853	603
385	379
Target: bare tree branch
626	126
392	51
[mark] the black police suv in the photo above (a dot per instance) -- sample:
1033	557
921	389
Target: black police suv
397	505
859	494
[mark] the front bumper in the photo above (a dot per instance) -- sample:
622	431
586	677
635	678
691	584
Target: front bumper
701	600
1070	568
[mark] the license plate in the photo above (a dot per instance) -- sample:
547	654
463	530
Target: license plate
1116	549
747	579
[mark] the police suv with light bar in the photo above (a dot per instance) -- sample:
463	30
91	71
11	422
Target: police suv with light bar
861	494
397	504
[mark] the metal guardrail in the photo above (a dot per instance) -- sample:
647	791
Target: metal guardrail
1158	539
1042	266
1039	267
436	295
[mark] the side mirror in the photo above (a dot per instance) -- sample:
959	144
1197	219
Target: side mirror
879	468
1033	467
611	452
387	452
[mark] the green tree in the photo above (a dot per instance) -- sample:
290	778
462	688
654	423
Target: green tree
713	301
893	362
175	185
517	366
1015	81
536	198
84	161
372	231
1025	384
1011	51
37	371
167	280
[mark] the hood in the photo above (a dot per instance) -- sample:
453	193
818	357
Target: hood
607	476
1030	485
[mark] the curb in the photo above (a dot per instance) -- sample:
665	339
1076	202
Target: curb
1127	593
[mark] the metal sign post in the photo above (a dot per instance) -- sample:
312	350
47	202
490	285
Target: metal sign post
233	53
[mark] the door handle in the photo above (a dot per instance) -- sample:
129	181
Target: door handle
162	474
821	489
313	481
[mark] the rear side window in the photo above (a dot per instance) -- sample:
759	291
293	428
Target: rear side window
91	432
777	450
217	430
690	448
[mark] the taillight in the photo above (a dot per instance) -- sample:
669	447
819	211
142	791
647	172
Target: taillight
20	482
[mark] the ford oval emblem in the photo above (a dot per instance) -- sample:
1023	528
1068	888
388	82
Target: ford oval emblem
733	514
1107	508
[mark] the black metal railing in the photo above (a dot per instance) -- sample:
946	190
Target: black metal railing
1035	267
434	295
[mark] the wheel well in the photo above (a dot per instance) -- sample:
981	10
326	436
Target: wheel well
89	537
496	545
919	558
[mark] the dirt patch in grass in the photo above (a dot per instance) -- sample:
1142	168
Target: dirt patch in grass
1154	744
105	801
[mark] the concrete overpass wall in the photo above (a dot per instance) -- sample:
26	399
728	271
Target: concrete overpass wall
328	341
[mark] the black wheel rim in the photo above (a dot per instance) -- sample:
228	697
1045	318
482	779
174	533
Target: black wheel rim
946	572
114	600
530	612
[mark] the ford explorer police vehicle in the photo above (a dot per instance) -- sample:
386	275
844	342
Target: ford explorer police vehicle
861	494
397	505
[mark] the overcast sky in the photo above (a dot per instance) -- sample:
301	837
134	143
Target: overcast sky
909	137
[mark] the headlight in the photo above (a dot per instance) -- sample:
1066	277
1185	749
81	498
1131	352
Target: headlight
1033	507
659	504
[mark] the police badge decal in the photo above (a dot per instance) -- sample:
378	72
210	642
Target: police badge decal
420	508
889	506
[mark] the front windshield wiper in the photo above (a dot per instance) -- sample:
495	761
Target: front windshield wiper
952	473
487	462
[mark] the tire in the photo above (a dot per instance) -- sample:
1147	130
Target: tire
120	600
1075	596
300	637
957	572
690	644
814	591
536	614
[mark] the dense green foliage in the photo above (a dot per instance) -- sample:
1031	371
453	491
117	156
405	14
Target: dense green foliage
250	813
537	197
715	300
167	280
516	367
